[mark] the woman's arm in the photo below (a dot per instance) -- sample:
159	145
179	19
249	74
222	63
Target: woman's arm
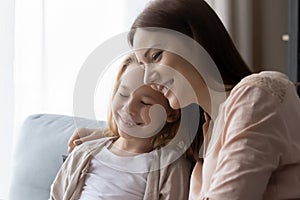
251	146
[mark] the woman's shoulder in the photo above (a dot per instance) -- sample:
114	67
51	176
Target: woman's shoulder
272	82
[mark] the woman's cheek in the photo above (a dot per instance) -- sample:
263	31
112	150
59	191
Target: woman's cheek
173	101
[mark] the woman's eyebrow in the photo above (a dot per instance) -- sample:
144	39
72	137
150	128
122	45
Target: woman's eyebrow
147	52
155	46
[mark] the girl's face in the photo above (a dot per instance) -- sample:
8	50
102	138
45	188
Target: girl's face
138	110
169	73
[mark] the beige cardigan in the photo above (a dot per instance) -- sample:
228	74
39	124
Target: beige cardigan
170	182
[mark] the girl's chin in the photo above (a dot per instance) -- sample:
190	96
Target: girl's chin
123	134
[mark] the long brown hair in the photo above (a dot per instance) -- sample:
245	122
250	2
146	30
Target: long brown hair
196	19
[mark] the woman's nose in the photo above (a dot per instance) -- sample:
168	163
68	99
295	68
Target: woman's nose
150	75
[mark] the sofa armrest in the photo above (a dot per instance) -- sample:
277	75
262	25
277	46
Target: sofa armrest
38	153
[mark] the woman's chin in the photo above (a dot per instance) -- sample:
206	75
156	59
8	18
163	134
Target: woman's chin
174	103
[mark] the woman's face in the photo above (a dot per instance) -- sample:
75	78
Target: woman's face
169	73
137	108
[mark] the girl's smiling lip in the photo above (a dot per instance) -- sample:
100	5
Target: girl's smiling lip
127	121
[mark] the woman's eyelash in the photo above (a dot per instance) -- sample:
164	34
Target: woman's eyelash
156	56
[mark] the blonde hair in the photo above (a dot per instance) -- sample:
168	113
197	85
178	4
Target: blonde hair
167	133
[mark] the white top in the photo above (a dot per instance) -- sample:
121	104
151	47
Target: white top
254	150
113	177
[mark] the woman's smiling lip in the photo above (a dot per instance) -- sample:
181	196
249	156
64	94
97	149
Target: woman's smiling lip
160	88
163	88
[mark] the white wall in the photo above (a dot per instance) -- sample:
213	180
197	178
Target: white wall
257	26
270	23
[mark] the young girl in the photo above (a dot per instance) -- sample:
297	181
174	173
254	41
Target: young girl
130	162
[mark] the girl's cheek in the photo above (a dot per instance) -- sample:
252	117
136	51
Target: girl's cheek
145	115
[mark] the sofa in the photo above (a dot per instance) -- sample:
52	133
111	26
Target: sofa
38	153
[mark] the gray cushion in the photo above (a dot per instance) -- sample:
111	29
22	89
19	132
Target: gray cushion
38	153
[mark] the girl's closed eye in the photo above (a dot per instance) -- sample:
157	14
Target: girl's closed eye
123	95
146	103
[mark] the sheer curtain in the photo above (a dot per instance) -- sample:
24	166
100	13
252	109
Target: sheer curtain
43	45
53	39
6	91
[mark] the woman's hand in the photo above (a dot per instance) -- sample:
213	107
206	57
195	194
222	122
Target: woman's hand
82	135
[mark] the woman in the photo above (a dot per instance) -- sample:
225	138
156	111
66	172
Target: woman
252	140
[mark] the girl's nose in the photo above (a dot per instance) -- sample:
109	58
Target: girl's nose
150	75
130	108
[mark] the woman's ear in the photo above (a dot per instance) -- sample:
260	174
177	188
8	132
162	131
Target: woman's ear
173	115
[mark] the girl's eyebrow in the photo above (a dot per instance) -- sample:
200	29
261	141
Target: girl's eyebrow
150	98
124	87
